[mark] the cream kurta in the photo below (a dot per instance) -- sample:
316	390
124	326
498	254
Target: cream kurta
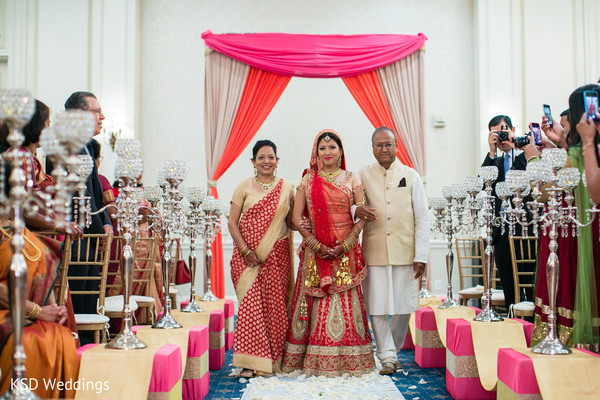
399	237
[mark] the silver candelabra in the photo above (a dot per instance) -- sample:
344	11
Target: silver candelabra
213	209
128	168
169	222
69	134
445	224
194	230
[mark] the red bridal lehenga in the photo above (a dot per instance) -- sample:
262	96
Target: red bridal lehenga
263	291
329	333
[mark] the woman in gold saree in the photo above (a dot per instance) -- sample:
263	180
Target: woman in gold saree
329	334
261	264
49	346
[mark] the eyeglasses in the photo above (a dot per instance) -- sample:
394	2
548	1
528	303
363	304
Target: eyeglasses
380	146
97	111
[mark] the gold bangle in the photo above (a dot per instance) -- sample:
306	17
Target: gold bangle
586	145
34	313
317	247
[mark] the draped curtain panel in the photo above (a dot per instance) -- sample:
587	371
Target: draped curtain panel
404	88
224	85
247	74
366	90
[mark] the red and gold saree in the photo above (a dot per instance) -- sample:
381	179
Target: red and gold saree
263	291
329	333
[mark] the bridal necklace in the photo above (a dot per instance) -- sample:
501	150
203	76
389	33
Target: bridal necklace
330	176
265	186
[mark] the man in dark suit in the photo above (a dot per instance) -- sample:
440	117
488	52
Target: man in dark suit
508	158
101	222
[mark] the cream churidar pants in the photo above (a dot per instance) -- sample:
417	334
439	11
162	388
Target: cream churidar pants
390	290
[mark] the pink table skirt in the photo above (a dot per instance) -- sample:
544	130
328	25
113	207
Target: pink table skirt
429	350
516	377
462	377
196	378
228	313
216	330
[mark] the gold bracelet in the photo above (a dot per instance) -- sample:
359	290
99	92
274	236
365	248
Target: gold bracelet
317	247
34	313
585	146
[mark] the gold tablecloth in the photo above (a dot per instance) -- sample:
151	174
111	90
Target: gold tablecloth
571	376
488	337
115	374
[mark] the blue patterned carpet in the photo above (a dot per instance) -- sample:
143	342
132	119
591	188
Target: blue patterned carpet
223	386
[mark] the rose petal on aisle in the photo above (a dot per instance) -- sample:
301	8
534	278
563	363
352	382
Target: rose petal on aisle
299	387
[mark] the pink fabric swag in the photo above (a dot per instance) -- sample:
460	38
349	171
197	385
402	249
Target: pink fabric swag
315	56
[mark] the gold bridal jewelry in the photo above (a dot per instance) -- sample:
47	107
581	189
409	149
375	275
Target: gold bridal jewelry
330	176
265	186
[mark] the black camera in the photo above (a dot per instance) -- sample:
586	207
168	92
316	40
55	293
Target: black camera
522	141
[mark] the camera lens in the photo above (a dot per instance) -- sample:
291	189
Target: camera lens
521	141
503	136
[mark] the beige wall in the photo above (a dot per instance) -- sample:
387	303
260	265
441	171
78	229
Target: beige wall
145	61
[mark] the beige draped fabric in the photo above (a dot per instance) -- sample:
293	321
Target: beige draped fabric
403	84
225	82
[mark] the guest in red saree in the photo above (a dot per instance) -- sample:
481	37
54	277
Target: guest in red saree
262	263
329	334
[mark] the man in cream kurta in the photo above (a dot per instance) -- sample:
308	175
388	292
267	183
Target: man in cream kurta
395	245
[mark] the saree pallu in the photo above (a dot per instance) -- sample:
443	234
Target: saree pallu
262	291
578	297
329	333
49	347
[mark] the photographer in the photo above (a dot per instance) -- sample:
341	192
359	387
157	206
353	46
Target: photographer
502	137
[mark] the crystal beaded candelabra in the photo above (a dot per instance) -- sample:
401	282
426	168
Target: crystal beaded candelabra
172	225
128	168
445	225
61	141
194	230
213	209
16	109
489	174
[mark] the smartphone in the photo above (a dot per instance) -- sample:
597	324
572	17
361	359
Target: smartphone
590	99
534	127
548	114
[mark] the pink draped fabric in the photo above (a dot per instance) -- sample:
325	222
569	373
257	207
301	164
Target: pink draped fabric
315	56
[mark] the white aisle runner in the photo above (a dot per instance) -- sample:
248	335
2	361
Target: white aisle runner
299	387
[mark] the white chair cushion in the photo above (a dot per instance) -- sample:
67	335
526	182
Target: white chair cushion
115	304
497	296
173	290
524	306
472	290
142	299
91	319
